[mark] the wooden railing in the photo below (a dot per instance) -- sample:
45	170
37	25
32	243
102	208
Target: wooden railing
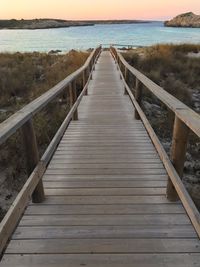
128	46
185	120
35	166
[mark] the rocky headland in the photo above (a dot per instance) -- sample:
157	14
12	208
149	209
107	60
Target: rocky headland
40	24
58	23
184	20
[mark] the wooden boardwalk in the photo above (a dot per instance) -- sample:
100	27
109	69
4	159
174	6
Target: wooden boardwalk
105	194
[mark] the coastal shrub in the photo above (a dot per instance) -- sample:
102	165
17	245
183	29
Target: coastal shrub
24	77
170	67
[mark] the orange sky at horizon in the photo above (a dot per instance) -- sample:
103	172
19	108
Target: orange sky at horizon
96	9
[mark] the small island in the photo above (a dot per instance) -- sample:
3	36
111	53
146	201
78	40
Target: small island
188	19
34	24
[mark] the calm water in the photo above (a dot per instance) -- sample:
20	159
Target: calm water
86	37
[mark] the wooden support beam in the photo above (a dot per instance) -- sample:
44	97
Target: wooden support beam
87	77
120	68
178	152
126	76
85	80
91	65
73	97
94	64
32	158
138	97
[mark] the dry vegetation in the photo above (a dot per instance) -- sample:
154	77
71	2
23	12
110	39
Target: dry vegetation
177	69
24	77
171	67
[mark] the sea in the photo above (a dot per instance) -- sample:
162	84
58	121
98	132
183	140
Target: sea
83	38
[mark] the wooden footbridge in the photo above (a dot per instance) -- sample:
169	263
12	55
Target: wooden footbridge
104	177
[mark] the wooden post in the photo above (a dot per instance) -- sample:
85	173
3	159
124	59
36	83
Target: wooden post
120	68
126	78
91	65
178	152
126	74
73	97
138	97
87	73
32	158
94	64
84	80
118	62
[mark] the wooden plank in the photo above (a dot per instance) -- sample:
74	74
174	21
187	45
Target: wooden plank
82	160
61	246
89	165
95	136
101	160
108	152
88	200
100	177
97	142
80	232
106	260
111	147
138	219
112	171
105	191
120	209
132	125
108	157
102	127
104	184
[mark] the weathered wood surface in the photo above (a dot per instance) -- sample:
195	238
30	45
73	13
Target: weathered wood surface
105	194
184	113
178	153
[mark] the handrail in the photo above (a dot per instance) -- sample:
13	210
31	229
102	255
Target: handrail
121	45
17	120
183	112
36	168
174	167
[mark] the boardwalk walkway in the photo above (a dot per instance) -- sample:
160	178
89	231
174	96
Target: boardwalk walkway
105	194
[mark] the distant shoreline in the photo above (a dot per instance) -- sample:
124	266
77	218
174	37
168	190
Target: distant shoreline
35	24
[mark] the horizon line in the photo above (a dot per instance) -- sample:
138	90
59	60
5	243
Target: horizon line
83	19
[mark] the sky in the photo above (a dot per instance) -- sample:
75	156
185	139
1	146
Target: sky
96	9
